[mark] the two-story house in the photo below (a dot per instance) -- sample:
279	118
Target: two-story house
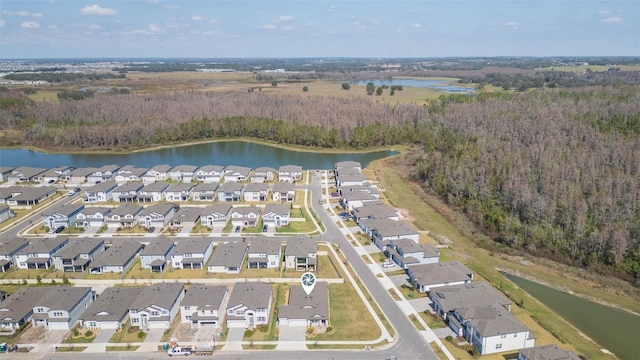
264	253
8	250
264	174
156	306
245	216
17	309
215	215
157	254
406	252
300	253
306	310
429	276
346	166
209	173
256	192
191	253
60	308
276	215
179	192
124	216
127	193
129	174
236	173
78	254
230	192
290	173
375	210
103	173
202	305
204	191
157	215
100	192
249	305
39	253
92	217
227	258
79	175
184	173
153	192
118	258
384	230
284	192
156	173
111	308
61	215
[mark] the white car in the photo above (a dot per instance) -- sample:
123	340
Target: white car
389	264
71	193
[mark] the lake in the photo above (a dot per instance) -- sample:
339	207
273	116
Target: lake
616	330
439	85
221	153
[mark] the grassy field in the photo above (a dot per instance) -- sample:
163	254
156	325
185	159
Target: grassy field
127	335
410	197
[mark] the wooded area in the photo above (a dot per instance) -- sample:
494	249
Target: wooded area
554	172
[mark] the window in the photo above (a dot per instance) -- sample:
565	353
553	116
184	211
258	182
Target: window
155	313
165	312
498	346
503	336
515	335
188	317
134	320
39	310
58	314
262	319
133	311
187	308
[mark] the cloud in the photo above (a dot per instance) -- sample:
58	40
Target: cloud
512	24
97	10
172	7
37	15
212	21
288	28
153	1
332	8
29	25
270	27
154	28
95	27
2	23
604	12
284	18
196	18
15	13
612	19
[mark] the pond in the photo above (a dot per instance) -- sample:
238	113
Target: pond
438	85
221	153
616	330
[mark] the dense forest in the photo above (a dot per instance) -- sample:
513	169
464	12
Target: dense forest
555	172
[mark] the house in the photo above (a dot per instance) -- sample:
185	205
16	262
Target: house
17	309
448	298
79	175
127	193
27	196
230	192
356	179
300	253
428	276
202	305
227	258
215	215
256	192
78	254
249	305
263	174
100	192
25	174
5	171
264	253
191	253
157	173
157	215
124	216
406	252
547	352
283	192
55	174
157	254
118	258
61	307
204	191
92	217
276	215
111	308
290	173
178	192
153	192
236	173
384	230
9	248
156	306
104	173
209	173
354	199
129	173
184	173
310	310
39	253
374	210
186	216
6	213
61	215
245	216
346	166
369	189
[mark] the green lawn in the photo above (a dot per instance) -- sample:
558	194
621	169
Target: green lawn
270	332
70	348
127	335
416	323
122	348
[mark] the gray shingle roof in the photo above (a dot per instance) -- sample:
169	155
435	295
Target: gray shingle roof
191	246
40	246
265	245
65	210
230	186
158	246
157	186
473	294
283	187
204	296
118	254
223	209
278	209
440	273
548	352
9	247
303	306
163	295
63	297
256	187
491	320
126	209
389	227
112	305
21	303
300	246
102	187
79	246
253	295
229	255
160	209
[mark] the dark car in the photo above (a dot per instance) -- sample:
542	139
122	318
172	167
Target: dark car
59	229
265	228
151	229
237	229
51	181
77	189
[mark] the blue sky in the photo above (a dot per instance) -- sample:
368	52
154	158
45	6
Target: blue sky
318	28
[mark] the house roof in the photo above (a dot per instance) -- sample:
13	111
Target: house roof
290	169
180	187
184	168
160	209
375	210
5	169
132	171
21	303
82	172
239	170
28	193
347	164
246	210
303	306
283	187
108	168
64	209
351	177
278	209
390	227
300	246
112	305
158	246
253	295
407	245
79	246
491	320
126	209
212	186
129	187
162	295
256	187
263	170
92	210
119	254
27	171
43	246
230	186
157	186
548	352
104	186
63	297
440	273
12	246
358	196
160	168
187	213
264	245
192	246
222	209
230	254
472	294
211	169
204	296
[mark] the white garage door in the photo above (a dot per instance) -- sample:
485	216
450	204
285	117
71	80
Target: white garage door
58	326
297	322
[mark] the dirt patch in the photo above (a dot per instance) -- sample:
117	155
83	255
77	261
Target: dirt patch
406	215
32	335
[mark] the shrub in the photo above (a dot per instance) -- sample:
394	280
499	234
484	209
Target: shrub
88	334
76	332
449	338
248	333
263	328
141	334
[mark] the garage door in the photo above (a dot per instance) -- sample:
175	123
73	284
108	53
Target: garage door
297	322
58	326
208	323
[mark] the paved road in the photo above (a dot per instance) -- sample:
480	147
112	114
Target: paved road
409	344
249	355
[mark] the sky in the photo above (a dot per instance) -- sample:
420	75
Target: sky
317	28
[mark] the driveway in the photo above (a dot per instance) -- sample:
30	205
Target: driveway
234	339
421	304
154	335
103	336
292	338
399	280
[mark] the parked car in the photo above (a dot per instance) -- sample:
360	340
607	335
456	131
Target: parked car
335	194
71	193
265	228
59	229
151	229
237	229
77	189
388	264
51	181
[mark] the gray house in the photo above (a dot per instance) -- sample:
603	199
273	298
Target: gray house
60	308
249	305
5	213
202	305
116	259
110	310
92	217
156	306
153	192
430	276
191	253
230	192
256	191
204	191
127	193
78	254
209	173
100	192
215	215
157	254
17	309
300	253
264	174
283	192
124	216
304	310
276	215
8	249
264	253
62	215
157	215
228	258
290	173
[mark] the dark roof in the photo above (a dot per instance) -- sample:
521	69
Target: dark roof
158	246
204	296
300	246
112	305
473	294
229	255
253	295
119	254
303	306
163	295
440	273
548	352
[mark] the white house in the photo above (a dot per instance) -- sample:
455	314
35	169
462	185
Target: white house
100	192
60	308
184	173
118	258
290	173
236	173
110	309
406	253
127	192
264	174
430	276
215	215
156	306
124	216
179	192
103	173
249	305
276	215
227	258
191	253
61	215
245	216
153	192
306	310
230	192
204	191
92	217
157	254
209	173
203	305
256	191
157	215
264	253
283	192
156	173
300	253
38	255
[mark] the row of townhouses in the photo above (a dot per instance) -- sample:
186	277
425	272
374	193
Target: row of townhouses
243	305
128	173
216	254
